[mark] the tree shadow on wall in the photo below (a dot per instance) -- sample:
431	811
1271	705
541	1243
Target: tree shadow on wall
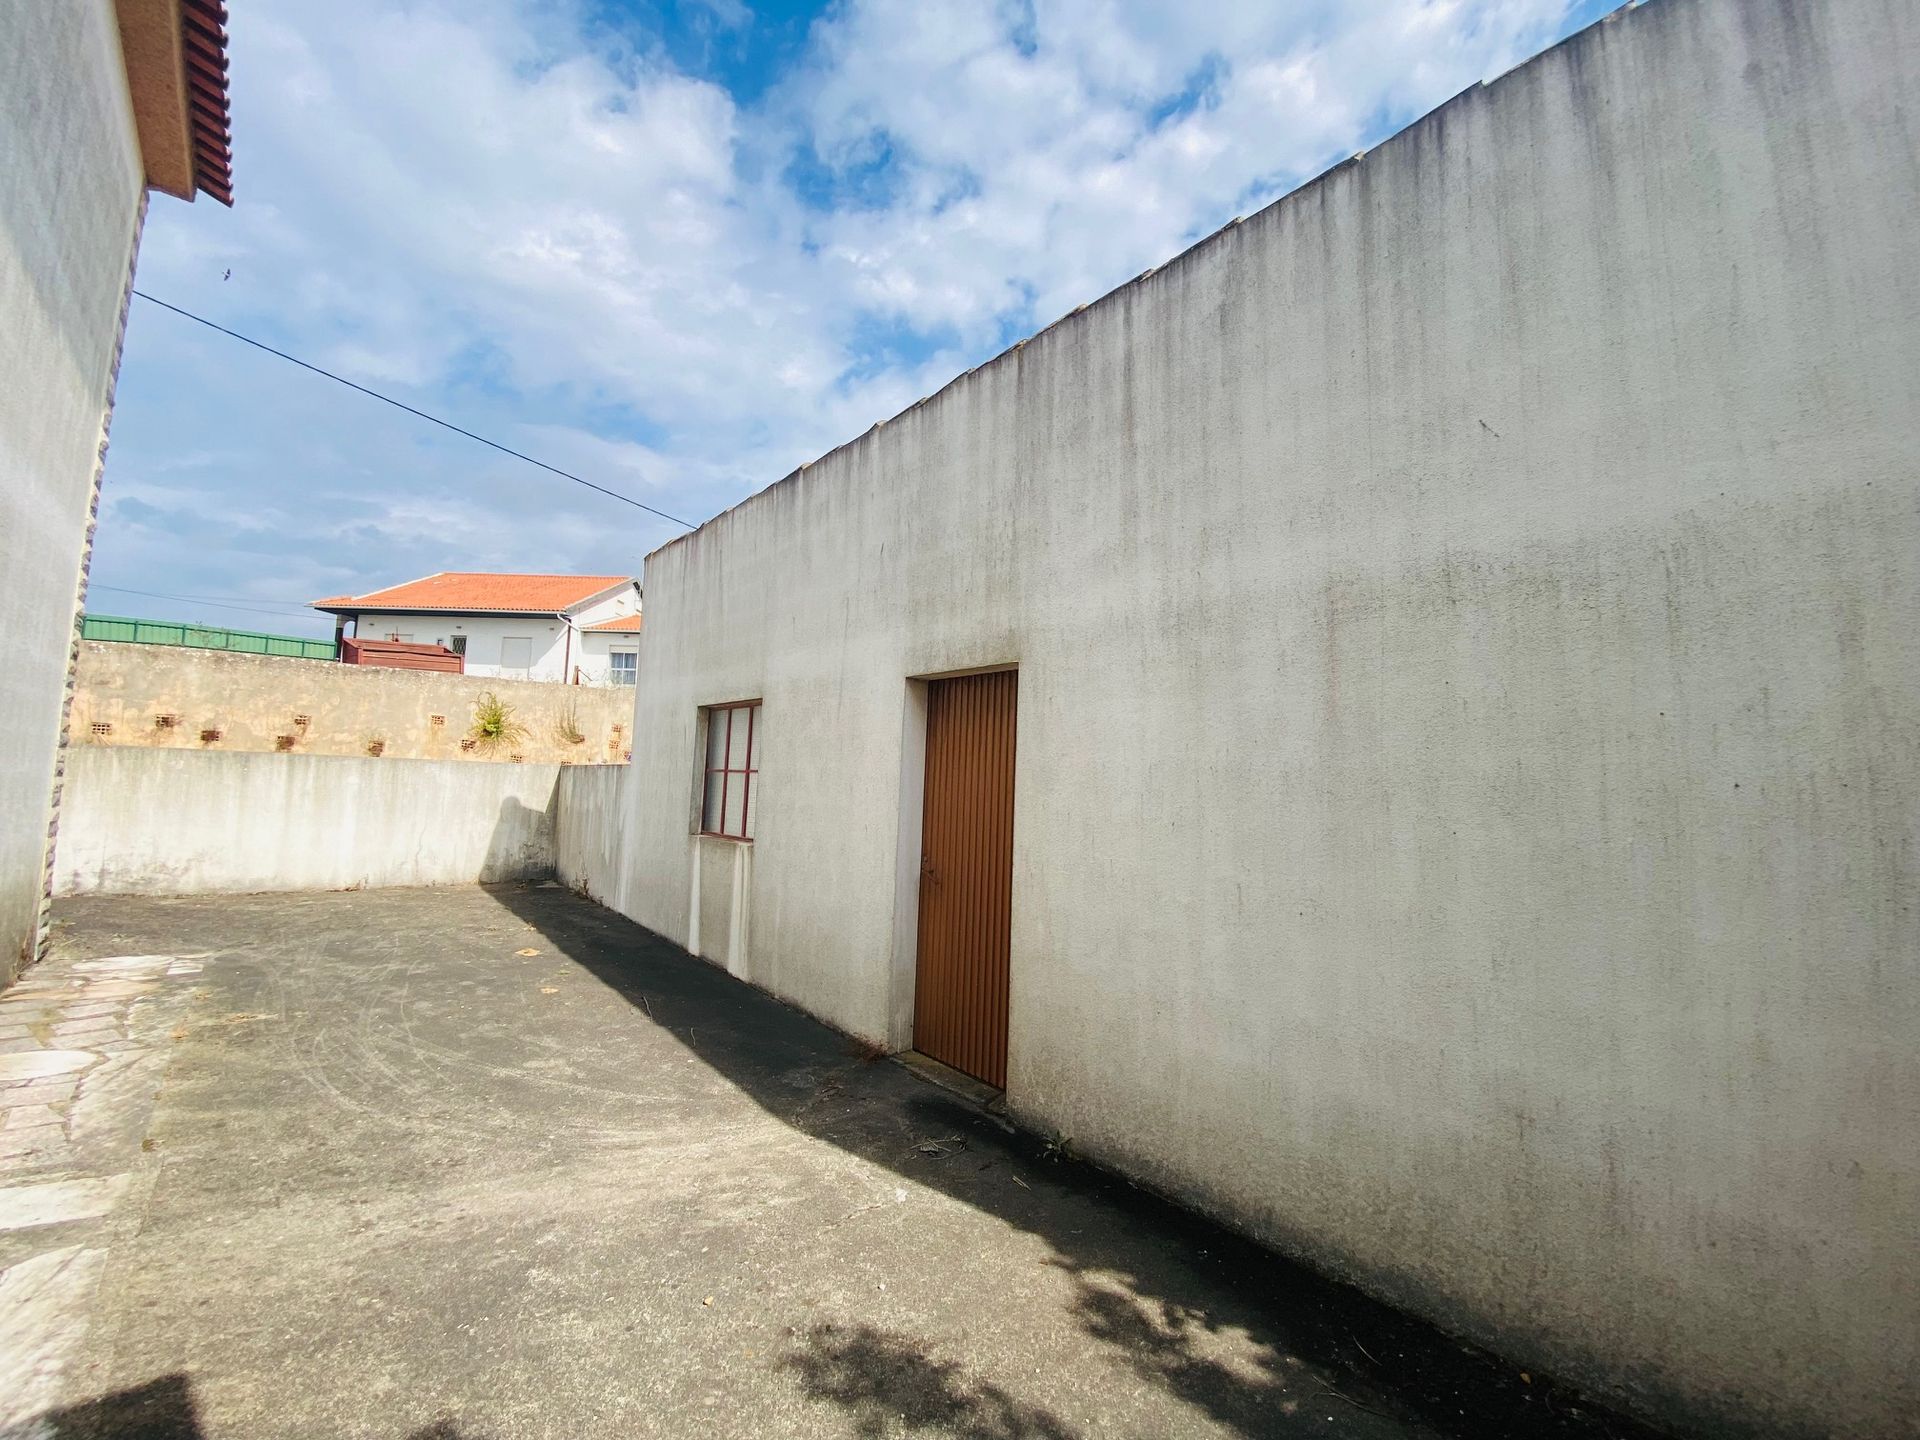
1261	1344
521	845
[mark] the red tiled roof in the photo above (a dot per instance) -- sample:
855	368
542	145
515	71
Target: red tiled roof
471	593
626	624
203	43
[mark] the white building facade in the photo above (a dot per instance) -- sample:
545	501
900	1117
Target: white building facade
1465	621
534	627
610	651
96	105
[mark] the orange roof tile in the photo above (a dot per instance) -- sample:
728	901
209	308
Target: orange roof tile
472	593
626	624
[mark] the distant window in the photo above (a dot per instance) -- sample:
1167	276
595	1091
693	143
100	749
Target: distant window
732	770
626	664
516	653
458	644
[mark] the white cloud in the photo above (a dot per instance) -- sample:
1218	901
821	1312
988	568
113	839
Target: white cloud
509	217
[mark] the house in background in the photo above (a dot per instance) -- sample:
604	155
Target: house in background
516	627
99	103
610	651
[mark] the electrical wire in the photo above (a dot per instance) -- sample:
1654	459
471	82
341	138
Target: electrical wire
402	405
247	601
200	600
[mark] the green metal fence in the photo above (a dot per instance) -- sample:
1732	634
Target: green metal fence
201	637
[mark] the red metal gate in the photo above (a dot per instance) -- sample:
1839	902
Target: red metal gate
966	875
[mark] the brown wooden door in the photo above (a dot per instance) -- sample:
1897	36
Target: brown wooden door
966	875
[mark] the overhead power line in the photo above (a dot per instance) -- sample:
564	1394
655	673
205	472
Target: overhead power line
250	602
402	405
200	600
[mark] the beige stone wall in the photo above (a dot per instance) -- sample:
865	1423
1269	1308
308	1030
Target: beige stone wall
219	701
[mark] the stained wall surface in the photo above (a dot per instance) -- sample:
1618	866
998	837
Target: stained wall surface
1468	622
589	805
70	196
176	822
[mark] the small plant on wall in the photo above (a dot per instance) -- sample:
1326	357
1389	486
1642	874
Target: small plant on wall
567	727
376	746
494	725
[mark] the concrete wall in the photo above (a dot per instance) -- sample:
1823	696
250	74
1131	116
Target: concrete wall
253	700
589	808
171	822
1468	619
70	205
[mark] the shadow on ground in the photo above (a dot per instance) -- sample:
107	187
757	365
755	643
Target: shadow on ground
162	1409
882	1380
1165	1288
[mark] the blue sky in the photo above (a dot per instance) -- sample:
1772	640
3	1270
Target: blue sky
676	246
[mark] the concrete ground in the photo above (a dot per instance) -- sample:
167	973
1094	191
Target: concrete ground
464	1163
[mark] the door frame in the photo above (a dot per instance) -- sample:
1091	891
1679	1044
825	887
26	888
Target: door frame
903	973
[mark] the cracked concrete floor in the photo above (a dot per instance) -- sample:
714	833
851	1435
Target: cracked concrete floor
358	1164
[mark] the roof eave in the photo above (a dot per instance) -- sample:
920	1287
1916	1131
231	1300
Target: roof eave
597	595
363	608
175	52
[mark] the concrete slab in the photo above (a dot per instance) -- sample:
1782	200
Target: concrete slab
59	1202
19	1069
411	1183
44	1305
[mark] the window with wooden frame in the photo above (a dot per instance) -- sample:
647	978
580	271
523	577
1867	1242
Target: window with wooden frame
732	770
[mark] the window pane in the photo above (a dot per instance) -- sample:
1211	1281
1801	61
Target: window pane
745	736
516	652
732	744
736	805
753	802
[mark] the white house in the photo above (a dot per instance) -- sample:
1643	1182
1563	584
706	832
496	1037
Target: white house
517	627
610	651
99	104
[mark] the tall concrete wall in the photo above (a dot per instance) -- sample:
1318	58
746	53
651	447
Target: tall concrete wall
1468	620
170	822
251	701
589	808
70	198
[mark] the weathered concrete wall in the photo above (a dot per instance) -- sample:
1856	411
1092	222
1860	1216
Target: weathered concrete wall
170	822
253	700
589	808
1468	619
70	197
